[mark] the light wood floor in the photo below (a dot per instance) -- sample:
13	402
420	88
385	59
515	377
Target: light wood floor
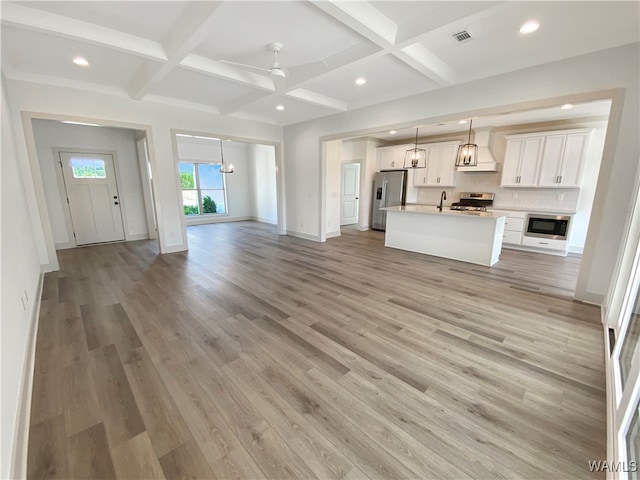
260	356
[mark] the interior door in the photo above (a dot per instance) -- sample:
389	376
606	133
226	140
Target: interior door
93	198
622	323
350	193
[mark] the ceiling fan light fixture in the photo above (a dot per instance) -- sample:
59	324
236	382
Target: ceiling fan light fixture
415	157
468	153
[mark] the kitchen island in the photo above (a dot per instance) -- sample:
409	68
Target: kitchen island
474	237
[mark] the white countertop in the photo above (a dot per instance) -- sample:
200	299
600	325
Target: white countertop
533	210
432	210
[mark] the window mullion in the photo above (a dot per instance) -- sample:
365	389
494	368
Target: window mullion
198	188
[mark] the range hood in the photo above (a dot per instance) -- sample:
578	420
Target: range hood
486	163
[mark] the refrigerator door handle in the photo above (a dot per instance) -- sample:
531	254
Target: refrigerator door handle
383	202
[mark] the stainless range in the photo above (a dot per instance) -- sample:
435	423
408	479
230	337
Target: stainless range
474	202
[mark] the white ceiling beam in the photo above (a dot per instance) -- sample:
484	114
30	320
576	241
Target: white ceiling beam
313	98
427	63
227	72
363	18
188	32
237	104
38	20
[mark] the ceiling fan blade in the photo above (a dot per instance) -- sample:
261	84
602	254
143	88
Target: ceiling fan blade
244	65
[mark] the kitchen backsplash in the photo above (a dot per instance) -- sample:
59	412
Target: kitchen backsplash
548	199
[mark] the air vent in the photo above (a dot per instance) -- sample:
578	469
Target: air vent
462	36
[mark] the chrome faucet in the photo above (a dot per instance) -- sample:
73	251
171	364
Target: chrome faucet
443	196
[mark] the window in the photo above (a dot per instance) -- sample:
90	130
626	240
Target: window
88	168
202	188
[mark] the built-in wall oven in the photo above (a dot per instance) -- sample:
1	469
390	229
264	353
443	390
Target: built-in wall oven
555	227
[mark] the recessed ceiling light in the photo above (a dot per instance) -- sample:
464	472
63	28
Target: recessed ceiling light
566	106
280	107
361	81
529	27
80	61
80	123
392	132
462	122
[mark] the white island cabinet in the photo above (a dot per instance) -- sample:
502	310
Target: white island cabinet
474	237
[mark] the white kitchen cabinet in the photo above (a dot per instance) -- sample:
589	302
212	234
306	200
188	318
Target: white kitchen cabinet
391	158
441	166
545	244
545	159
513	227
521	161
563	159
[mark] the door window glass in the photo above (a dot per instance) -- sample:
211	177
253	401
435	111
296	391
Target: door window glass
630	342
88	168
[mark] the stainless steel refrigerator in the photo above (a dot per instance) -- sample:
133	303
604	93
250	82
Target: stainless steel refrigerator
389	190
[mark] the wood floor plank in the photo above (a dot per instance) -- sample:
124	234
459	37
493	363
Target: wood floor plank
135	459
47	457
277	357
89	455
164	423
187	463
120	411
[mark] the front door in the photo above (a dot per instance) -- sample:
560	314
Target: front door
350	194
92	194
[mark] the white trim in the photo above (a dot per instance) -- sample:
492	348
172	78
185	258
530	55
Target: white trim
576	249
263	220
333	234
181	247
138	236
364	228
20	449
214	218
306	236
65	246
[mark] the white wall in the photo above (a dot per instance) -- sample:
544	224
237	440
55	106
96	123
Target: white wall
50	134
571	79
264	206
156	118
20	266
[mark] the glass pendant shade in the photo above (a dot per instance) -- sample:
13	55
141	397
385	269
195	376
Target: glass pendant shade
415	157
467	153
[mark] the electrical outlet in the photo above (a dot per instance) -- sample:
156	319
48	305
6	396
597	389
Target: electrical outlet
561	196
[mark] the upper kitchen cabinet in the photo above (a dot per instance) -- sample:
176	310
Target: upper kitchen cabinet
545	159
441	166
521	160
563	159
392	158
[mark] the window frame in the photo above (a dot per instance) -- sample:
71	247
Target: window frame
198	190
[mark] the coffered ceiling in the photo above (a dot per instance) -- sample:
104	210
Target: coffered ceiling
179	52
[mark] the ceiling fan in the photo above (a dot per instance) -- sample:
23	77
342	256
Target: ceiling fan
274	70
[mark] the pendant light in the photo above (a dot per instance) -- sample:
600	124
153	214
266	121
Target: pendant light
415	157
222	169
467	153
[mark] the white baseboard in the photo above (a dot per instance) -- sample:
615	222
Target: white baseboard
174	248
523	248
137	236
215	219
306	236
23	417
65	245
333	234
264	220
576	249
364	228
591	298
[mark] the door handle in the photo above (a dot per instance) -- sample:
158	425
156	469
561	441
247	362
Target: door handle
115	203
115	197
356	198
